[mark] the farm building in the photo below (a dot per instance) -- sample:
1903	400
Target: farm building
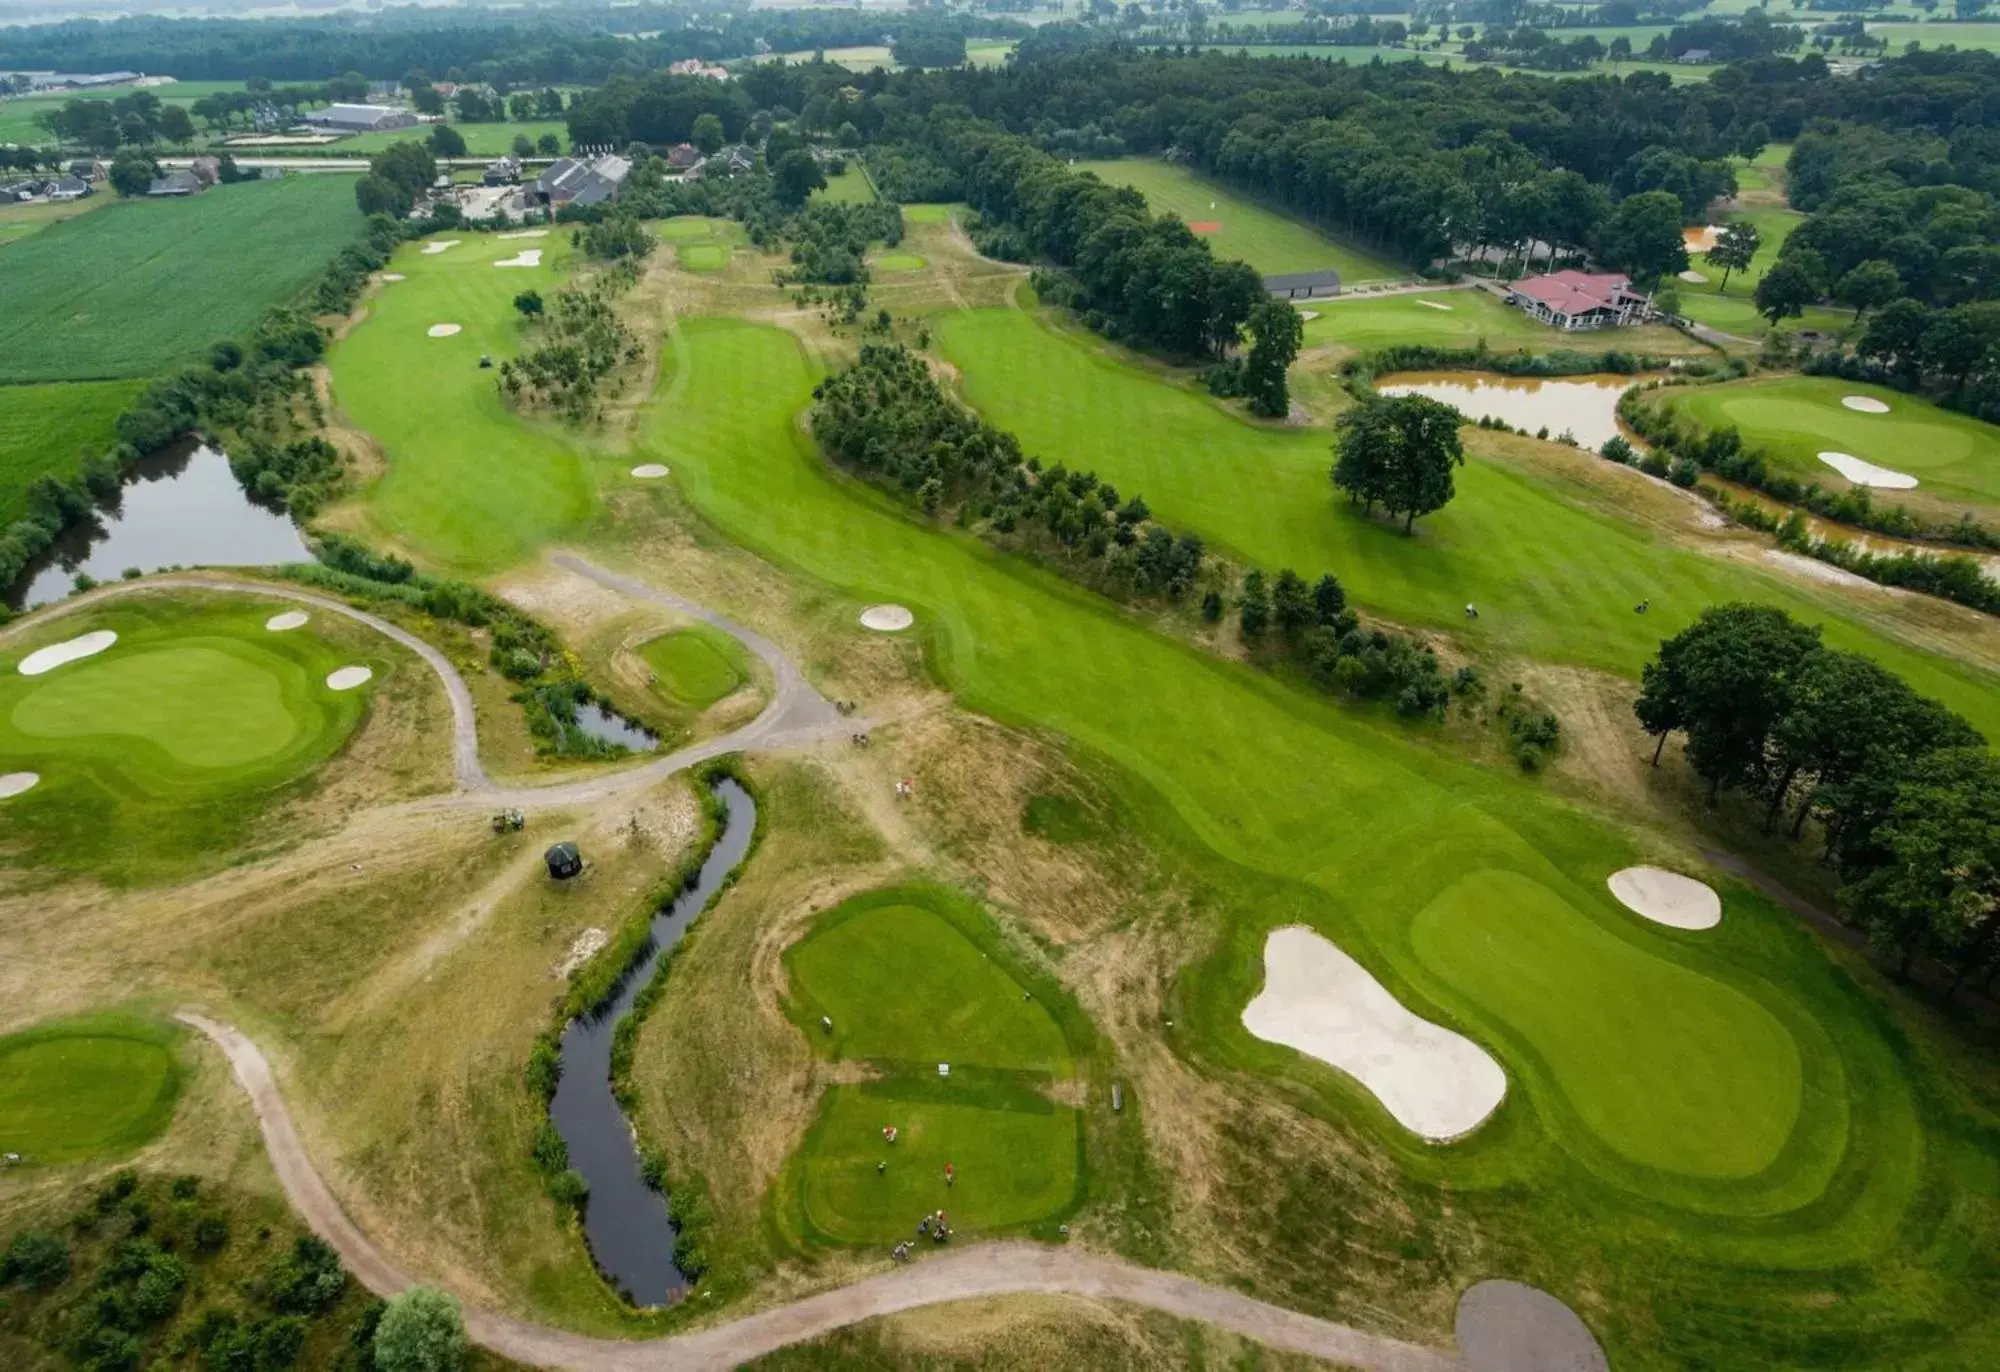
1303	285
571	182
564	860
361	118
177	183
67	188
1579	300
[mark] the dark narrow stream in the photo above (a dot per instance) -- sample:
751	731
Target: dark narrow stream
625	1221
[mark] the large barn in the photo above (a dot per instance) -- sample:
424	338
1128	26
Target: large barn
361	118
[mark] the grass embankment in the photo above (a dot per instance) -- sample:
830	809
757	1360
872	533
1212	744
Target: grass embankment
132	288
81	1089
163	750
916	982
49	430
1553	580
470	487
1289	809
1269	241
1955	458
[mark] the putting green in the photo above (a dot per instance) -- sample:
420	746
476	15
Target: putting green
1794	419
701	257
686	228
158	750
913	978
86	1088
929	214
694	667
1672	1069
899	262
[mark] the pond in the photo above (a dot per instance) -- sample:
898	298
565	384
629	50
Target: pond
181	507
625	1221
608	727
1585	407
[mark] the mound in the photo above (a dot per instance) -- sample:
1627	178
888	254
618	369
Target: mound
1866	404
1667	897
442	330
443	245
1438	1084
16	783
649	471
527	257
56	654
290	619
1505	1326
1863	473
887	619
347	678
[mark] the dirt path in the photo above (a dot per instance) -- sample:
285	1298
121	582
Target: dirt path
985	1270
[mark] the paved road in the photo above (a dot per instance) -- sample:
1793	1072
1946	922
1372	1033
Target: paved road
984	1270
796	713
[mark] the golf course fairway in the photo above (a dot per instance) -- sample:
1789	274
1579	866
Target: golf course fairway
86	1088
917	984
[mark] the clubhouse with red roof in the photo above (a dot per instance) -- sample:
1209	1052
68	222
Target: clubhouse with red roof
1580	300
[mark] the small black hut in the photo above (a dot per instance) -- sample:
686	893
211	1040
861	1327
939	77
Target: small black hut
564	860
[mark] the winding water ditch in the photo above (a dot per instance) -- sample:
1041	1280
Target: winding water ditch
625	1221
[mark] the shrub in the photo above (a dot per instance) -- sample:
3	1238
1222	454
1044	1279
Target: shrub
309	1279
36	1257
421	1330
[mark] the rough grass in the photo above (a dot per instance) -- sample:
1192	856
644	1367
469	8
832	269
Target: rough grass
86	1088
471	487
138	286
1795	418
1553	579
851	186
1268	241
1287	808
163	749
49	430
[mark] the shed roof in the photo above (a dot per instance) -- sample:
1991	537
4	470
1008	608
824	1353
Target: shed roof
1294	281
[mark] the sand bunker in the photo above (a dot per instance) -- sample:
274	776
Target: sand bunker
525	233
1867	473
649	471
1309	315
1437	1083
433	249
392	276
887	619
290	619
56	654
1667	897
1867	404
13	783
1693	278
347	678
1701	239
527	257
1433	305
442	330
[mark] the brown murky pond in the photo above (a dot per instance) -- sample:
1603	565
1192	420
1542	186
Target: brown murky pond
1585	407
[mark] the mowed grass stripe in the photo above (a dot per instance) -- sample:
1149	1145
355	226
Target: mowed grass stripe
135	287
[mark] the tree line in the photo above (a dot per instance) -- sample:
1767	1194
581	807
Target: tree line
1905	792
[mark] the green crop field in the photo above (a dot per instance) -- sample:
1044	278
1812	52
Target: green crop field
912	978
1552	580
24	221
135	287
695	667
86	1088
1268	241
1936	35
1953	456
17	113
851	186
152	750
49	430
469	487
1289	808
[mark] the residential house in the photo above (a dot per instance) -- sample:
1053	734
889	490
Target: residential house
682	156
1579	300
67	188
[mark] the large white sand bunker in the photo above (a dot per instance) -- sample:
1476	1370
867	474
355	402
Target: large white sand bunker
14	783
1867	404
347	678
1308	315
1693	277
1433	305
442	330
887	619
56	654
1863	473
289	620
649	471
527	257
442	245
525	233
1437	1083
392	276
1667	897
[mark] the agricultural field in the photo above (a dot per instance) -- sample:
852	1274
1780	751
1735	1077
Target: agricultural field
1933	35
1955	458
17	113
23	221
50	429
961	1055
84	1089
1238	227
131	289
